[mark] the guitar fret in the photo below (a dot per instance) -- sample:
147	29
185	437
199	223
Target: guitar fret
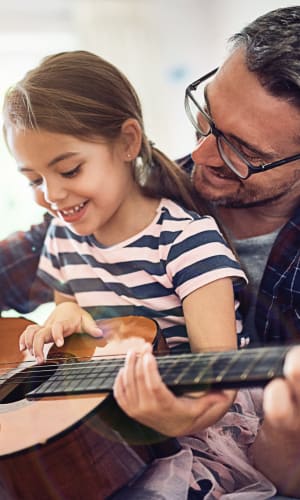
167	367
255	361
225	370
277	370
180	372
198	378
187	369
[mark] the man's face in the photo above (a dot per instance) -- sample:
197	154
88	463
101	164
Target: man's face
264	128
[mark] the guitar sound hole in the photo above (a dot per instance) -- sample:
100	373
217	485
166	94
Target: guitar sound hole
16	387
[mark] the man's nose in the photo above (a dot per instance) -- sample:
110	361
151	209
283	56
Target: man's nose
207	153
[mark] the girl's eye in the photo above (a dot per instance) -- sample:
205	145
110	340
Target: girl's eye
72	173
36	182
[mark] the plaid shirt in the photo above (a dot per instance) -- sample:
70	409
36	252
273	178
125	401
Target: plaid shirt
277	315
20	288
278	303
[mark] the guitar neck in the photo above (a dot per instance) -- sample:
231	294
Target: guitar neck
181	373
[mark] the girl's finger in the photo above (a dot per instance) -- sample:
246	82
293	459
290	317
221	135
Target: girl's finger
90	326
28	336
39	342
129	377
58	329
119	390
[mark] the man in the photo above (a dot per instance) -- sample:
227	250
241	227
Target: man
20	288
247	164
250	118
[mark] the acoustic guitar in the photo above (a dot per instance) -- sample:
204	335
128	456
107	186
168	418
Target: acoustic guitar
62	435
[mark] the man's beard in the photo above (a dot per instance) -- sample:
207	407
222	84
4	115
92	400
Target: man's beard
249	197
229	202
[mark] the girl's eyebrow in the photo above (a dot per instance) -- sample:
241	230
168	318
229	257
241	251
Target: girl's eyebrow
54	161
61	157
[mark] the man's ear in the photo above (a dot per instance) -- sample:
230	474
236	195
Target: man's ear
131	139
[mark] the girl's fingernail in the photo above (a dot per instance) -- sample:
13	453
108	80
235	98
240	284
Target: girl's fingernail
59	342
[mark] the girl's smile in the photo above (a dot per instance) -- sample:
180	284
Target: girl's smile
73	214
89	185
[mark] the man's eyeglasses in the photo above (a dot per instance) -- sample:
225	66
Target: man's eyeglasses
196	106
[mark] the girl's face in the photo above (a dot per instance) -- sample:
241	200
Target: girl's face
89	185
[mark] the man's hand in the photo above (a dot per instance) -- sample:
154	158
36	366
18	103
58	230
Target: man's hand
276	449
282	398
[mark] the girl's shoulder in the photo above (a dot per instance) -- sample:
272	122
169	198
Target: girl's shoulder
171	211
180	226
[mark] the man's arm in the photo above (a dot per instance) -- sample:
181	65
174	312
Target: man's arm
276	450
20	288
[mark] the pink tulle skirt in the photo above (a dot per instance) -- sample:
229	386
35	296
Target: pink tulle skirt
214	464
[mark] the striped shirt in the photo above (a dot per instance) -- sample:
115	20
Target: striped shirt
277	314
149	274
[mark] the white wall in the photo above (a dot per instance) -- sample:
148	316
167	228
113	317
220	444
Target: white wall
161	45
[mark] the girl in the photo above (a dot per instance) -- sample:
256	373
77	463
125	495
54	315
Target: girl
129	236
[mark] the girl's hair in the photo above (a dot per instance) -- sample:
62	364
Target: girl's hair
80	94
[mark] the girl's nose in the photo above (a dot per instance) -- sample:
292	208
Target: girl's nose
53	190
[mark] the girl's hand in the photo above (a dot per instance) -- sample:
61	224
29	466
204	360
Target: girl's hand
67	318
141	393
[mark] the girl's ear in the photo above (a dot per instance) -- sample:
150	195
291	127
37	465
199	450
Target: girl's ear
131	139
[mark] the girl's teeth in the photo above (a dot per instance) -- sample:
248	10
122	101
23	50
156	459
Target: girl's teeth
71	211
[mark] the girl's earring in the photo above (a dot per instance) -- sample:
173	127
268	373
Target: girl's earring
128	156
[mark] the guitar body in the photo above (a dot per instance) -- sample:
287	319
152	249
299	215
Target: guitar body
63	437
69	447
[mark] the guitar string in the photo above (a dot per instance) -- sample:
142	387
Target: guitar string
67	359
77	368
99	361
78	362
161	352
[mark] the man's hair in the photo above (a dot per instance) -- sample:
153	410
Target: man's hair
272	45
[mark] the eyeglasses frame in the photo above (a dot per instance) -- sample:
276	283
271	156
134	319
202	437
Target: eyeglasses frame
218	134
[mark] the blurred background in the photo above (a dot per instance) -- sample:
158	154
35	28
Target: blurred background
161	45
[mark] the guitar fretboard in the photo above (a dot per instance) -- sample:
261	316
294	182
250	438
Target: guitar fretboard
181	373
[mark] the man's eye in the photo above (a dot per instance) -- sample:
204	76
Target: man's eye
252	158
256	161
72	173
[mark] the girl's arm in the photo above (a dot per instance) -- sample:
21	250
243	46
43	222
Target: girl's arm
210	319
139	390
67	318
